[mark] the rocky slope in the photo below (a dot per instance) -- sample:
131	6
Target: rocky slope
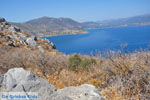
15	37
17	81
50	26
23	85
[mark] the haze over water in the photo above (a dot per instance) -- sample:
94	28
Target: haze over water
103	39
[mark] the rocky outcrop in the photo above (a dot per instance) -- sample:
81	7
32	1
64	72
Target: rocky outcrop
83	92
15	37
2	20
18	80
31	42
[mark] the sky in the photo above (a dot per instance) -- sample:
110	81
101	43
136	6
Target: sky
79	10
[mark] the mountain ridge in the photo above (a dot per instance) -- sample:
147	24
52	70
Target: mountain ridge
139	20
50	26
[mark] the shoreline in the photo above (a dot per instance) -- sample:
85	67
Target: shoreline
83	32
86	32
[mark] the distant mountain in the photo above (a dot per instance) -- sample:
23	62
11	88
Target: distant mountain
130	21
48	26
91	24
51	26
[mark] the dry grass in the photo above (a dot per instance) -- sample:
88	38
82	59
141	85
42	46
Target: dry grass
118	76
44	63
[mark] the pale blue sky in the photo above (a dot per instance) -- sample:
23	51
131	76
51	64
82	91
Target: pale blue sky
79	10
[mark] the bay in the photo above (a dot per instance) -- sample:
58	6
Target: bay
103	39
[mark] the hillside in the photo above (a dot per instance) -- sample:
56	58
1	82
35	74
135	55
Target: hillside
14	37
115	74
130	21
51	26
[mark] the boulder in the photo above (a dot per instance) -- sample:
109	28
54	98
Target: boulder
1	28
2	20
13	29
83	92
41	49
22	36
53	46
12	36
18	80
12	43
31	42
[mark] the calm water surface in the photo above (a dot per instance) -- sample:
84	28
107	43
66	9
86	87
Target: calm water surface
103	39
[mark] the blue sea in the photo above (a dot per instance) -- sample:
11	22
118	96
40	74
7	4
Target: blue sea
100	40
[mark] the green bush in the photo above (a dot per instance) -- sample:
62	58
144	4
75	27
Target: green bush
74	62
77	62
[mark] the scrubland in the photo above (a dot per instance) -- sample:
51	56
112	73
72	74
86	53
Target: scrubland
117	75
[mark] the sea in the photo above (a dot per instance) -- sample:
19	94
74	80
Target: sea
104	39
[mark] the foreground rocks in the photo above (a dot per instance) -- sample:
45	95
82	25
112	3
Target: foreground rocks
83	92
19	80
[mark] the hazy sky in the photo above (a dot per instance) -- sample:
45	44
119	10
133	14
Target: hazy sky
79	10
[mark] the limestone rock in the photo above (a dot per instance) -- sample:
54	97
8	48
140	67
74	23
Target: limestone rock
13	29
83	92
31	42
19	80
40	48
2	19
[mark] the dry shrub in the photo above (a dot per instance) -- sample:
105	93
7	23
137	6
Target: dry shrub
118	76
130	77
44	64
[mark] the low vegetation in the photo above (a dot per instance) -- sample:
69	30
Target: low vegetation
117	75
77	63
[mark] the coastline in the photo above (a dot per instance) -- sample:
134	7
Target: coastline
73	33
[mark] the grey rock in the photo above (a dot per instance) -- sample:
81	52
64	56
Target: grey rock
53	46
49	44
13	29
35	38
58	96
1	79
41	49
1	82
16	79
83	92
13	44
22	42
13	36
19	80
6	23
8	37
1	28
2	19
22	36
31	42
